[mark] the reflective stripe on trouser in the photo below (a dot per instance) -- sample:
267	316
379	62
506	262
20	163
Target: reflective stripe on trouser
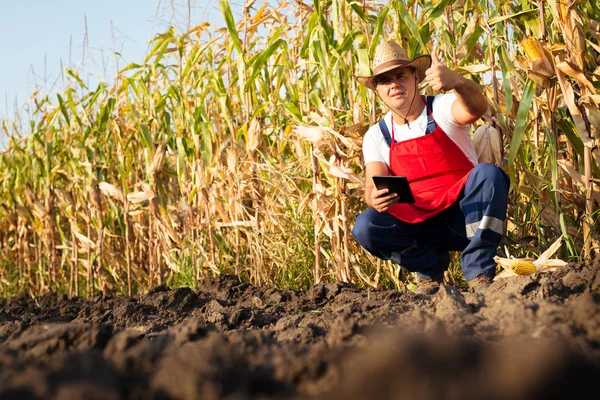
421	248
484	208
473	225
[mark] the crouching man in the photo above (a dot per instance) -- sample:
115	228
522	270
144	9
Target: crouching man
460	205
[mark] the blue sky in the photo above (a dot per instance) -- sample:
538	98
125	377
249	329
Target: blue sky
38	34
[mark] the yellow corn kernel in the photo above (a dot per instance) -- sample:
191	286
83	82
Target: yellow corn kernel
532	48
522	267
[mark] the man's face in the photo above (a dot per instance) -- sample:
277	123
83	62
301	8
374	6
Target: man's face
397	87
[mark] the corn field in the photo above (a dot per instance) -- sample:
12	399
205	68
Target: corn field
237	149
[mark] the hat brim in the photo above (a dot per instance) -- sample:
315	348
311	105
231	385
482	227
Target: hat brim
420	64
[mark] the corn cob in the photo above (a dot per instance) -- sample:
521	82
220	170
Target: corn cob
522	267
517	266
532	49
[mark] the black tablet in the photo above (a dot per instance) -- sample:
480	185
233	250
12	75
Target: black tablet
398	184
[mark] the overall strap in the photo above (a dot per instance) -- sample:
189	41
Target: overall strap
431	125
385	132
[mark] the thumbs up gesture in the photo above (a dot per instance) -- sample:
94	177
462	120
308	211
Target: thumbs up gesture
439	77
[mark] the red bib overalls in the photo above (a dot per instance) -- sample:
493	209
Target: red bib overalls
437	171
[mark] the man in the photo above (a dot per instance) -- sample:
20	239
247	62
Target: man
460	205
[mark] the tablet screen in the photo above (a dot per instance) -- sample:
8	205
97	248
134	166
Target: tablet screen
395	184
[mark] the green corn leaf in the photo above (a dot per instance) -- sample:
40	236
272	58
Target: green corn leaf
474	38
438	10
501	18
414	31
181	159
566	126
73	107
378	29
553	147
348	42
261	60
63	109
226	11
49	155
359	11
565	231
293	110
106	111
313	31
362	67
425	34
146	137
86	134
206	146
505	66
130	67
77	79
522	121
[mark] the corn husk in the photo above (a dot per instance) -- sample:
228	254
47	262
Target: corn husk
537	62
529	266
487	144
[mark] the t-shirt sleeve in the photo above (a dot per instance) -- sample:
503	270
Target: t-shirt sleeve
442	106
459	133
371	145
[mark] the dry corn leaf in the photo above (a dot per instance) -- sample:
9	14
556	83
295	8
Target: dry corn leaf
344	173
357	113
139	197
339	171
111	191
343	139
311	133
475	69
572	70
594	45
364	278
254	135
594	97
593	114
574	36
579	178
158	160
232	158
569	99
88	243
303	203
173	265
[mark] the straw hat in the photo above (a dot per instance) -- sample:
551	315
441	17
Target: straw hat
390	55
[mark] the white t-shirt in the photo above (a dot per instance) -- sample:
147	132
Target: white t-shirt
376	149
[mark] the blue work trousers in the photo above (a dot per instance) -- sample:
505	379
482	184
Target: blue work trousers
473	225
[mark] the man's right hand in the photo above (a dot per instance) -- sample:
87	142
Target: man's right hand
381	200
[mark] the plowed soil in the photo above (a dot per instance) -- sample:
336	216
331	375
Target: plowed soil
524	339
